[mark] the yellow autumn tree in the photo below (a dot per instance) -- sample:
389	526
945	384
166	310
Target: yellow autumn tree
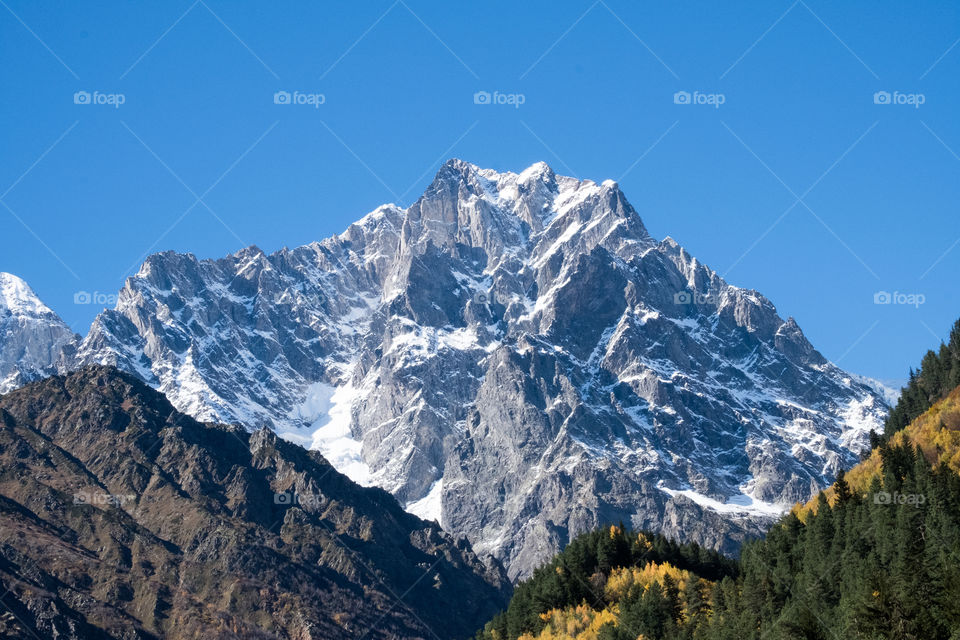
622	580
582	622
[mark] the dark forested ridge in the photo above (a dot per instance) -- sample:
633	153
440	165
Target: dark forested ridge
596	566
884	564
122	518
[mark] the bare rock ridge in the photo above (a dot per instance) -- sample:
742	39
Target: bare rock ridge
513	356
123	518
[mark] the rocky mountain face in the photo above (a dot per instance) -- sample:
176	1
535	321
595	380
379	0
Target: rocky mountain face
512	356
32	337
123	518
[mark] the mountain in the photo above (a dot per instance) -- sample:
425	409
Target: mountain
873	556
514	357
32	337
123	518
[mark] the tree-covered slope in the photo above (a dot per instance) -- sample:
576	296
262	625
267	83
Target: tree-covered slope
876	564
608	575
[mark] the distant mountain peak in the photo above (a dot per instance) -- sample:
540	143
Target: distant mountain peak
32	337
17	297
536	197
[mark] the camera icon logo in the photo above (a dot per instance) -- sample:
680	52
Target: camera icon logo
491	298
681	97
283	498
81	97
82	297
682	297
882	297
881	97
281	97
882	497
481	97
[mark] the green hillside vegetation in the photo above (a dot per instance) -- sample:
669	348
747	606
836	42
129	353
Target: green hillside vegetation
613	573
879	565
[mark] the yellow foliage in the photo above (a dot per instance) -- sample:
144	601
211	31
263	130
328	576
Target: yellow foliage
622	580
644	542
583	622
578	623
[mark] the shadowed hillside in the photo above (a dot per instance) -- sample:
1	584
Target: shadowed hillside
122	518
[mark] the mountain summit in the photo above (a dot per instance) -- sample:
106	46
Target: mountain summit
514	357
32	337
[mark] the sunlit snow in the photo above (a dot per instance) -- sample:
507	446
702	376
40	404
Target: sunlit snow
740	504
329	408
428	507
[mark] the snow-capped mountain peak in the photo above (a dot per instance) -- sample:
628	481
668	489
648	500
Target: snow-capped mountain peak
513	355
17	297
32	337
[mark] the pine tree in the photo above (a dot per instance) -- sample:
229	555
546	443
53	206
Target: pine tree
842	489
695	604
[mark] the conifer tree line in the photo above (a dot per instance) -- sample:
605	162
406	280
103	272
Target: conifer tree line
939	374
881	565
580	573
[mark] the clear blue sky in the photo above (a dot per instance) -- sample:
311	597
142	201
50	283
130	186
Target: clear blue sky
878	183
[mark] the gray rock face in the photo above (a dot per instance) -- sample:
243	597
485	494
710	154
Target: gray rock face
32	337
513	356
